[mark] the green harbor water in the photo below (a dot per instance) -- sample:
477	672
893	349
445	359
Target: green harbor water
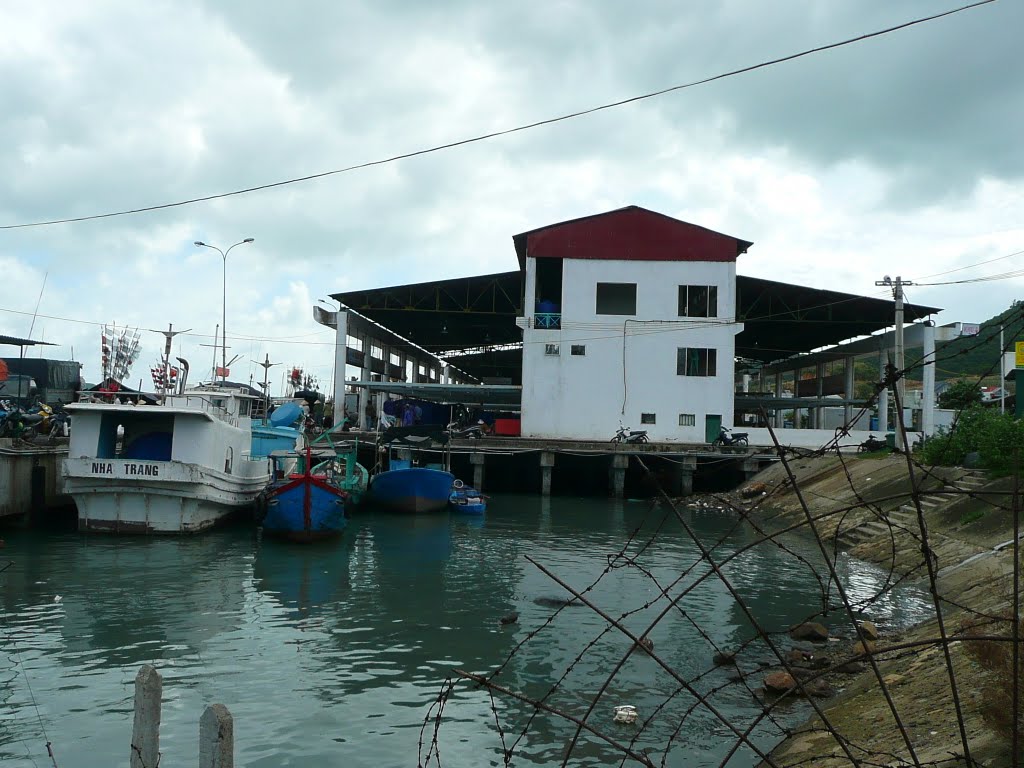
333	654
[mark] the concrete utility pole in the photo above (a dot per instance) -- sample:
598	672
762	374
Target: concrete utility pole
897	293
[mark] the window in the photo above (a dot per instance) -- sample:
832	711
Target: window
578	349
377	352
395	358
687	420
694	361
550	349
616	298
647	418
698	301
421	370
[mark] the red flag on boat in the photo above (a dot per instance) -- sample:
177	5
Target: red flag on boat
3	371
223	372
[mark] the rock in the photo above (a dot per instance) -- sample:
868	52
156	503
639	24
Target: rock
735	677
798	656
724	658
820	662
645	644
512	618
779	682
850	668
868	630
863	647
754	489
810	630
819	689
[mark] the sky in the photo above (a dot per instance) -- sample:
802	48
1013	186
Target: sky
900	154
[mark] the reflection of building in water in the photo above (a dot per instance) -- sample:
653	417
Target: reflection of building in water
131	598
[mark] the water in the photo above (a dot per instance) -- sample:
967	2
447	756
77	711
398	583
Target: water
330	655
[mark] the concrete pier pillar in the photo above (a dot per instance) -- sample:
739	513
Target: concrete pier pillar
686	471
779	412
750	468
619	463
928	380
547	463
477	460
848	388
819	411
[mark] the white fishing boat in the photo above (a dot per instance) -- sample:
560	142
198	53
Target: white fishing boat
178	467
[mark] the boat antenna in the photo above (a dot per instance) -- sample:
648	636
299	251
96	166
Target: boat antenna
38	301
169	334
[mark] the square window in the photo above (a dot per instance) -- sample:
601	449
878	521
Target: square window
550	349
578	349
647	418
687	420
616	298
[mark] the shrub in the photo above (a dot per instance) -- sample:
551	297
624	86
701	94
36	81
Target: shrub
993	435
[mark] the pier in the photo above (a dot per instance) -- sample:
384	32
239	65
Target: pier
592	467
30	478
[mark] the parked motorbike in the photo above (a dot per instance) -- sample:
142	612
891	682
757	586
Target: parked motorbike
60	425
727	437
472	432
871	445
626	435
14	422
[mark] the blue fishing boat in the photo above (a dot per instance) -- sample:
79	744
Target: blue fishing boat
414	481
466	499
304	502
277	432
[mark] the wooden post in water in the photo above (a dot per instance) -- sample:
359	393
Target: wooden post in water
146	728
477	460
216	738
547	461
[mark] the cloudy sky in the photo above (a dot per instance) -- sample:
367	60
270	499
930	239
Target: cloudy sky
897	155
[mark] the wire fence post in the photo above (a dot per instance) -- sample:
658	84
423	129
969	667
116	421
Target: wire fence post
216	738
146	727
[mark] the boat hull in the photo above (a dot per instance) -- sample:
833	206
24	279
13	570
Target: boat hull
415	490
468	501
304	508
157	497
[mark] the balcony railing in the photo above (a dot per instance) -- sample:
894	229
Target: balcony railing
548	320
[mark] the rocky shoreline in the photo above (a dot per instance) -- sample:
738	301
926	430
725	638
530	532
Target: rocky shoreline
863	507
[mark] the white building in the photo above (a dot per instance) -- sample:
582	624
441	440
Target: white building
629	317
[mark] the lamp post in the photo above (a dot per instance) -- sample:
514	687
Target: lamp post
224	302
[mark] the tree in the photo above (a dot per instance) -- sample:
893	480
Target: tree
960	395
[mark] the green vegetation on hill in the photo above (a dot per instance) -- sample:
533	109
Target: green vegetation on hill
978	356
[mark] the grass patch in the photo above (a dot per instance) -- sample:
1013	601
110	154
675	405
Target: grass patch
884	453
972	516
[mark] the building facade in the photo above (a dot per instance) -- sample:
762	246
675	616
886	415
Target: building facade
629	317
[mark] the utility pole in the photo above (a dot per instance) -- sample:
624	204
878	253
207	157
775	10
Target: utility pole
897	294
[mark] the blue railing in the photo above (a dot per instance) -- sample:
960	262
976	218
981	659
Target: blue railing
548	320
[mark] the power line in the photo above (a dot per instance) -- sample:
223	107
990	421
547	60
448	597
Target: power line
506	131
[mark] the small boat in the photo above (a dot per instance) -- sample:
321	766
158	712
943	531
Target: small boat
412	483
305	504
350	475
276	432
467	499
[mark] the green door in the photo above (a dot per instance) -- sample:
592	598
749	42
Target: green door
712	426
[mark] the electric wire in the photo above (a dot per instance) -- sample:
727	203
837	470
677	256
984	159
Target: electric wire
506	131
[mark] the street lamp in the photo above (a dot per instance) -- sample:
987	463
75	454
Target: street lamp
224	302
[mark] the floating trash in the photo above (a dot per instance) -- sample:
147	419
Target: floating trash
626	713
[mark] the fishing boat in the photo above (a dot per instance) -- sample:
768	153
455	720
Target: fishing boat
466	499
350	475
177	467
414	481
276	432
306	504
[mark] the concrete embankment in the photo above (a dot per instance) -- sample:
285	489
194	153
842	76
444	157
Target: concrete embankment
863	507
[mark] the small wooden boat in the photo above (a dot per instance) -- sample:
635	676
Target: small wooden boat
467	499
306	503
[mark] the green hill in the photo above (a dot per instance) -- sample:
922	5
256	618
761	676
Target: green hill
978	356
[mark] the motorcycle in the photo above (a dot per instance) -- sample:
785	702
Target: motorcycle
15	423
871	445
472	432
727	437
625	435
60	426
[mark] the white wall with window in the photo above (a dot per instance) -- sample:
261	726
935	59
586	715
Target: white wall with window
642	342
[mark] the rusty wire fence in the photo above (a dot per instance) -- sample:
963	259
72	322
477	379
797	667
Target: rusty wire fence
967	647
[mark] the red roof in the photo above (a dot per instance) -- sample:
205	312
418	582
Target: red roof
631	233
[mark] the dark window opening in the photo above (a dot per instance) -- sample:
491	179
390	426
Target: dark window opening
695	361
616	298
578	349
698	301
647	418
548	299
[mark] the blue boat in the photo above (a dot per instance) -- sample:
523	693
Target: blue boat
415	484
467	499
306	503
276	433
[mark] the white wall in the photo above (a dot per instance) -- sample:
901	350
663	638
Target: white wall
585	397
